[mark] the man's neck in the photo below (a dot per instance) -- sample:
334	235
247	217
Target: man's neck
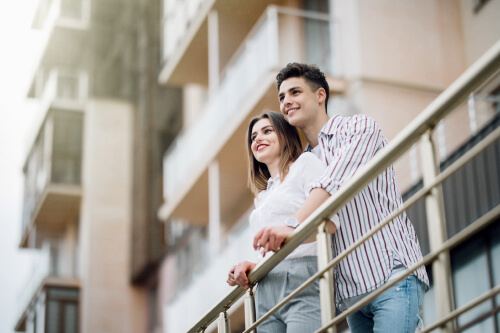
312	130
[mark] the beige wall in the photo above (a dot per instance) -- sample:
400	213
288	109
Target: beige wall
482	29
108	302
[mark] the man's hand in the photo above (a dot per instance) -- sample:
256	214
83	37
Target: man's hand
271	238
238	275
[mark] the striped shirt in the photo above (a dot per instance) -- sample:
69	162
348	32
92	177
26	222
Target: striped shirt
346	144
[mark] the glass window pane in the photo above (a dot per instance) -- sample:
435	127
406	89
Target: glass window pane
63	293
70	317
53	316
429	307
482	327
470	277
495	258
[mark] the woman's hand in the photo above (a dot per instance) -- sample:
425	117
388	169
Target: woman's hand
238	275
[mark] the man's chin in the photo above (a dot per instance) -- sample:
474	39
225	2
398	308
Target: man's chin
294	121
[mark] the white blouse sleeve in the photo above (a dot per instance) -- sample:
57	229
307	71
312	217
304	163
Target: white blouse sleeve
311	170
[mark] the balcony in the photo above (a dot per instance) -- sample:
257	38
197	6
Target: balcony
51	266
208	283
247	87
63	25
52	171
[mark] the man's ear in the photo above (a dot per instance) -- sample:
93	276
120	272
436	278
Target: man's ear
321	93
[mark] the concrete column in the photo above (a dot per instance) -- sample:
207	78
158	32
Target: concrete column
213	51
214	227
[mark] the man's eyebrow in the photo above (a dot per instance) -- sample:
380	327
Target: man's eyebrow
289	90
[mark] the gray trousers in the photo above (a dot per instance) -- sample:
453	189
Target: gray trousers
302	314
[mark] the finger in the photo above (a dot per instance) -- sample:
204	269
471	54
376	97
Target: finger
271	242
256	242
264	239
278	242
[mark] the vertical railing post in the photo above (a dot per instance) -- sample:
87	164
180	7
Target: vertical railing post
223	324
249	304
436	224
327	298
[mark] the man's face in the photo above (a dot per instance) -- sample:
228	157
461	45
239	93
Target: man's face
298	103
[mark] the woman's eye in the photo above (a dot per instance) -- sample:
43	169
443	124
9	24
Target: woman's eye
253	138
267	131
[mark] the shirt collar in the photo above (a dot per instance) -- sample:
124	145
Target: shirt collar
271	182
325	131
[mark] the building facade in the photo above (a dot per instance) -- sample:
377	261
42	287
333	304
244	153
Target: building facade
386	59
135	177
93	167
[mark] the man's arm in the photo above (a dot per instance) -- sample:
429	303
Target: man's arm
361	139
272	238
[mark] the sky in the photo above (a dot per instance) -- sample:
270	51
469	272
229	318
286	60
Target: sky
18	44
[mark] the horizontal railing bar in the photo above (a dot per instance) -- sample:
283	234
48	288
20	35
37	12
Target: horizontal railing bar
455	313
474	151
438	109
463	235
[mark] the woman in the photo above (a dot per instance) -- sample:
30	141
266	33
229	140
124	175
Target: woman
279	176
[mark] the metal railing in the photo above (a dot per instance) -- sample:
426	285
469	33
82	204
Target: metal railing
439	257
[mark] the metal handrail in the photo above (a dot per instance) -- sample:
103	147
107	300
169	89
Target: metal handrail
458	91
490	139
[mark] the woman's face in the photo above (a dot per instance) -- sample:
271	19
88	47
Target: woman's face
265	144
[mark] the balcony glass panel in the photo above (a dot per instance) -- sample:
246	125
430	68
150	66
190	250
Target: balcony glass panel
50	261
49	11
259	54
55	158
178	14
67	148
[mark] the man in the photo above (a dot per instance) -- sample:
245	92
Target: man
344	145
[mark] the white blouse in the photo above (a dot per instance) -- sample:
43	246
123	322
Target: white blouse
280	201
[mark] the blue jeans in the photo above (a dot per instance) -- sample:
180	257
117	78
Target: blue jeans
396	310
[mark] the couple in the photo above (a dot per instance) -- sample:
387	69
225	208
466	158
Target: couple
289	185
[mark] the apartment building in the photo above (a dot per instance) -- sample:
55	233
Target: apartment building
135	174
93	167
387	59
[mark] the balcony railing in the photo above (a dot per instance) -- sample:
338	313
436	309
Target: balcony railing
53	166
214	270
177	15
49	262
421	128
259	55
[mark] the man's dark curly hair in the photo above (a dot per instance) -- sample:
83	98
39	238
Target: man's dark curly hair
311	73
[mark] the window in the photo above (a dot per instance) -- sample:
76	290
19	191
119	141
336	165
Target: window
62	310
475	271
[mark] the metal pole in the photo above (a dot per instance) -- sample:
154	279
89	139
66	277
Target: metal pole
249	304
436	224
327	298
224	325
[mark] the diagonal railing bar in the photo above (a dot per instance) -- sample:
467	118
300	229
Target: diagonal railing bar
460	162
464	308
456	93
463	235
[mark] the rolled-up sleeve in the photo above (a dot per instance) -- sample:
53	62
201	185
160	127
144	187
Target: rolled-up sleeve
351	145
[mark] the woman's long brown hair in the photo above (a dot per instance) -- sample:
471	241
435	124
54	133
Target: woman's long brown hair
290	146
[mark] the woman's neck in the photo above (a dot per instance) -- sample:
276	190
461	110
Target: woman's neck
273	168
